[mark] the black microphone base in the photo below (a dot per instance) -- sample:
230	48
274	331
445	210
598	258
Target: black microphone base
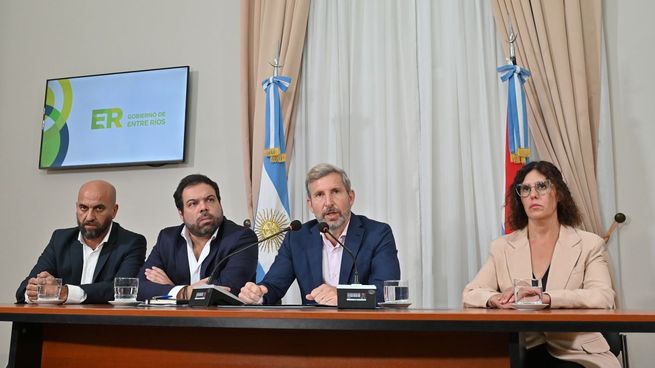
208	295
356	296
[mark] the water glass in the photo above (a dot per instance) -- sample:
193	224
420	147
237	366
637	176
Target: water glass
48	289
126	288
528	291
396	291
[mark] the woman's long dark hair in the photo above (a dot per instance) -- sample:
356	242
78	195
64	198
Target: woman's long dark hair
567	212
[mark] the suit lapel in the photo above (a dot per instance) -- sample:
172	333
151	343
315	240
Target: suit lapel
518	255
77	260
182	259
106	251
209	263
565	257
315	256
353	241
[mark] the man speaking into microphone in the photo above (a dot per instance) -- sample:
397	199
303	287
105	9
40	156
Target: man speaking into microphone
316	259
186	255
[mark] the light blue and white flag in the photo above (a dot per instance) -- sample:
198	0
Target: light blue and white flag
518	135
272	213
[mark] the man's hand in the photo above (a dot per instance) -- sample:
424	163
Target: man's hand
252	293
503	300
324	294
63	295
158	276
42	278
185	293
30	289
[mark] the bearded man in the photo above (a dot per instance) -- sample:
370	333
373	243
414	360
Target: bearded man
185	255
317	260
88	257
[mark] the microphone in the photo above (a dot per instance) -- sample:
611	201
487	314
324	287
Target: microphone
325	229
210	294
295	225
247	223
355	295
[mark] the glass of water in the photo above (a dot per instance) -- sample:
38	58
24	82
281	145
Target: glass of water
528	291
396	291
126	288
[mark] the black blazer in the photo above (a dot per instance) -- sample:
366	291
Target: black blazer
170	254
121	256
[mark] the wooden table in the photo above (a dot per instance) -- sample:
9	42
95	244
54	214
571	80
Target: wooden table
107	336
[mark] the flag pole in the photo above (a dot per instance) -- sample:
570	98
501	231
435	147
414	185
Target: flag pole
276	61
511	39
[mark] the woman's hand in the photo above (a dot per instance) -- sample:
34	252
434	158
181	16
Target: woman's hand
503	300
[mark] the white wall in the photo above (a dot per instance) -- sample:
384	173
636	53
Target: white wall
49	39
630	38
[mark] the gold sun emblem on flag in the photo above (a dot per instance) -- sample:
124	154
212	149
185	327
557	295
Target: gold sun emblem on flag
268	222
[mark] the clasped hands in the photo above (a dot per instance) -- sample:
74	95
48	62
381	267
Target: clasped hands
325	294
43	278
505	299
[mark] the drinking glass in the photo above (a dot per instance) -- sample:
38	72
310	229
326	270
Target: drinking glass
528	291
126	288
48	290
396	291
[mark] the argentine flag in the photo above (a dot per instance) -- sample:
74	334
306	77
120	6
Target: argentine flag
273	213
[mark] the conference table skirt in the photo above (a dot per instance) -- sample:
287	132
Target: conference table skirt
107	336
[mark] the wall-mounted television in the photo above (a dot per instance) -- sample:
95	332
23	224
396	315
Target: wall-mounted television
115	119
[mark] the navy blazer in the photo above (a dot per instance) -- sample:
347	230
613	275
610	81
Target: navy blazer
121	256
301	257
170	254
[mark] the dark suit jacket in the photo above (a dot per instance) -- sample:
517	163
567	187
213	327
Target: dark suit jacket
170	254
301	257
121	256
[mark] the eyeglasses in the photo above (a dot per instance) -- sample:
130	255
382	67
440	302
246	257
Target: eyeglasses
542	187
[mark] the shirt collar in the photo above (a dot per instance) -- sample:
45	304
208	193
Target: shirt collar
187	237
342	237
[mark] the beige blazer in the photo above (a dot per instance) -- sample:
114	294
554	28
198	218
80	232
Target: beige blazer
579	277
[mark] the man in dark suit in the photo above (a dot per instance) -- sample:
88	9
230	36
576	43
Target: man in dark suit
185	255
317	260
88	257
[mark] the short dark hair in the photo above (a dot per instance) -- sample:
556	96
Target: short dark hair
190	180
567	212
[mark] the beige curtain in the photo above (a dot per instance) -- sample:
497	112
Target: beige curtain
265	24
559	42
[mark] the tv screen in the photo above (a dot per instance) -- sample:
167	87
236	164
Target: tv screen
117	119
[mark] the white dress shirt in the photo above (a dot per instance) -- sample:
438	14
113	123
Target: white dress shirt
76	294
194	264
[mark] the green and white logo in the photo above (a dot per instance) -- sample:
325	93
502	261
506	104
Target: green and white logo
54	145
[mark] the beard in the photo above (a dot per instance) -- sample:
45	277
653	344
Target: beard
96	233
333	225
205	230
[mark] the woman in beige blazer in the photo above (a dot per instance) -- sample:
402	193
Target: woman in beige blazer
571	263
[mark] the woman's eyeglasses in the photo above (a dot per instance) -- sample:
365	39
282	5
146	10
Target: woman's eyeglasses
542	187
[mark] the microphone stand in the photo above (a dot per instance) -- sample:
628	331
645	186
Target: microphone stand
355	295
210	294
